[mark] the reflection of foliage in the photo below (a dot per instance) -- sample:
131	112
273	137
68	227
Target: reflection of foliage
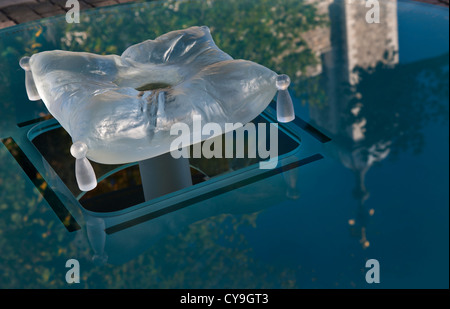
418	95
262	31
211	253
25	233
208	264
275	42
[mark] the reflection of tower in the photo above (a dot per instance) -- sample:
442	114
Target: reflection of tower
369	43
355	45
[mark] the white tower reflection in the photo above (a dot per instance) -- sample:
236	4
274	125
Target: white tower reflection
355	45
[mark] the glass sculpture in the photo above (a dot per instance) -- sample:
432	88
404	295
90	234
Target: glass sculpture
119	109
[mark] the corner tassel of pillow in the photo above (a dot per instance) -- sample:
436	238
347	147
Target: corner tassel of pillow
30	86
285	107
84	172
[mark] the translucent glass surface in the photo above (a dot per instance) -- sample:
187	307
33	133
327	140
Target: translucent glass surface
378	93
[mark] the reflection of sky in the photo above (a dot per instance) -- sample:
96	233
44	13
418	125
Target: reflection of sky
414	26
408	233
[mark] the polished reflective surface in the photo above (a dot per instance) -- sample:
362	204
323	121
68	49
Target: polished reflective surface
369	180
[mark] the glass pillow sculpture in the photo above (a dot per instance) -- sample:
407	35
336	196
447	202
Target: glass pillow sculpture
120	109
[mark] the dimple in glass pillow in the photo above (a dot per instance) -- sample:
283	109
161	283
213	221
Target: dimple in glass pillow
119	109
